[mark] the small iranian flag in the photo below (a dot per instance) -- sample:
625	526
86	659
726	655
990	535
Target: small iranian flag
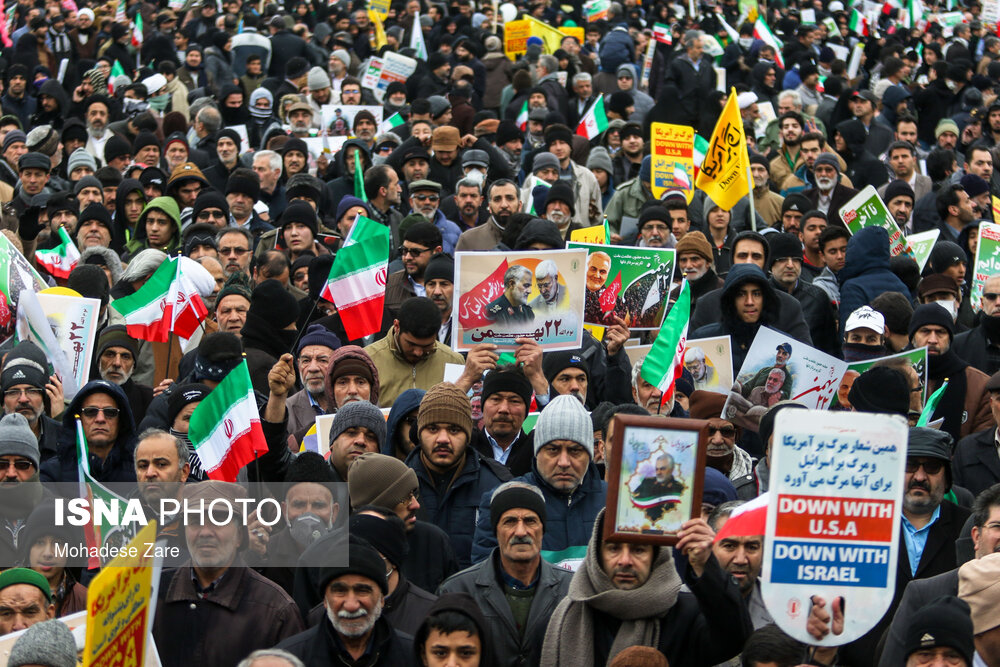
594	121
698	156
932	403
356	284
857	23
662	33
137	29
99	527
665	361
393	121
225	427
748	519
62	259
762	32
417	38
167	303
522	117
116	71
530	208
359	178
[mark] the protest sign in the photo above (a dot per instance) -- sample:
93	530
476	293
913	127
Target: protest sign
74	323
381	71
504	296
515	38
917	362
596	234
833	518
627	282
778	368
329	145
119	601
73	622
921	245
596	10
672	148
14	268
710	362
866	209
987	261
338	119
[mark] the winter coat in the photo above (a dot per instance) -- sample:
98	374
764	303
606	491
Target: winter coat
862	167
694	84
819	314
167	206
219	67
285	45
396	374
569	518
617	48
454	510
499	73
866	272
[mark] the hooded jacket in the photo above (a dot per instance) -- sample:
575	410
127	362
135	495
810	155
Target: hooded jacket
139	242
866	272
120	232
890	100
343	185
52	88
407	402
119	465
863	168
467	606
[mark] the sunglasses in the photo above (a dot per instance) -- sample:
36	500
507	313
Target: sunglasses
726	431
426	197
19	464
991	296
91	412
931	467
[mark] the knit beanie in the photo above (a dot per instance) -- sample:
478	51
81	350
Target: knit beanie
639	656
564	418
80	158
973	185
544	160
440	267
600	159
301	212
882	389
947	621
143	139
16	438
209	199
554	362
796	202
377	479
238	283
828	159
516	497
358	413
654	212
116	336
386	534
13	137
350	366
363	560
507	378
931	313
446	403
182	396
561	191
318	79
49	644
244	184
898	189
783	246
26	364
43	139
508	131
217	354
558	132
944	255
349	202
694	242
317	334
273	303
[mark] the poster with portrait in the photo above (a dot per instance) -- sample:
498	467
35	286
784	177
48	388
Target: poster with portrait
627	282
503	296
779	368
15	274
338	119
710	362
656	468
913	363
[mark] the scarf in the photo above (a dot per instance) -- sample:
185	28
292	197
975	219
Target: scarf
569	639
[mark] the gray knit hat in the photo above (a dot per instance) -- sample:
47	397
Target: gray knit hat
600	159
359	413
16	438
827	159
80	158
318	79
543	160
26	364
565	418
377	479
49	643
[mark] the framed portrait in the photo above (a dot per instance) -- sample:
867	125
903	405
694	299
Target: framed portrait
655	476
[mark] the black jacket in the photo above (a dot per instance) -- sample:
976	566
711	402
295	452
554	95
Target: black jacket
520	458
694	86
819	315
285	45
317	647
971	346
975	464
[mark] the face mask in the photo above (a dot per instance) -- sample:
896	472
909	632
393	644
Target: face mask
159	102
861	352
746	42
476	176
307	528
949	305
952	86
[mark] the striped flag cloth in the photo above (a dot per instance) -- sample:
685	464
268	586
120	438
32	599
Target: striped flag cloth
665	361
168	303
356	284
594	121
225	428
98	528
390	123
522	117
62	259
762	32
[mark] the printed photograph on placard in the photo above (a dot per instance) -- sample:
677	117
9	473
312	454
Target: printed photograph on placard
656	467
502	297
338	119
710	362
912	363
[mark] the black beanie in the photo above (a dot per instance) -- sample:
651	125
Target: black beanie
387	536
182	396
782	246
248	185
302	212
26	364
363	560
947	621
562	191
209	199
944	255
898	189
309	467
554	362
90	281
95	211
516	497
882	389
507	378
654	212
558	133
507	131
757	158
931	313
273	303
440	267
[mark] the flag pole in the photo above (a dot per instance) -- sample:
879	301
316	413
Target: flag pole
753	211
305	325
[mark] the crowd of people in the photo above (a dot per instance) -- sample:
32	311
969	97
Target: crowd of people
250	138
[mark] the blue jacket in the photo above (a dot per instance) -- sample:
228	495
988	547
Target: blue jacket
866	272
616	48
454	511
569	519
449	232
407	402
119	466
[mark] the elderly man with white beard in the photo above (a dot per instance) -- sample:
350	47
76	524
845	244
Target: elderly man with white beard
830	194
316	348
116	355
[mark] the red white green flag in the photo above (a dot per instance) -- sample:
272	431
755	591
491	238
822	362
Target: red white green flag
356	284
137	30
522	117
857	23
62	259
662	33
167	303
99	527
594	121
225	427
762	32
665	361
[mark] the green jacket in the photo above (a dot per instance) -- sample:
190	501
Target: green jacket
626	202
139	242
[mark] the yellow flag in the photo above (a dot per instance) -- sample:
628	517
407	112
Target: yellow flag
551	36
376	20
724	174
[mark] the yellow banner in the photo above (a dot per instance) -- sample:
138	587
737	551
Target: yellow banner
593	234
118	605
996	208
551	36
380	7
516	34
376	20
672	151
724	174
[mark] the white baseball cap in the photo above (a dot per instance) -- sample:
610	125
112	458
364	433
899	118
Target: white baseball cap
866	317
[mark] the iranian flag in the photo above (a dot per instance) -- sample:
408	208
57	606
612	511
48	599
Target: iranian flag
762	32
530	204
359	178
857	23
665	361
225	427
99	526
750	518
62	259
594	121
522	117
700	150
417	38
662	33
137	29
356	284
167	303
390	123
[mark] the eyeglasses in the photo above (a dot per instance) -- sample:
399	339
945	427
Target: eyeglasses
726	431
239	252
19	464
416	252
931	467
426	197
30	393
204	215
91	412
991	296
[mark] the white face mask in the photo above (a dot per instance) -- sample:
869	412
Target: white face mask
952	86
949	305
746	42
476	176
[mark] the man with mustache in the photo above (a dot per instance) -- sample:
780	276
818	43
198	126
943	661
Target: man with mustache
358	428
830	194
516	589
316	348
354	628
741	556
505	400
238	611
723	454
20	491
24	382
